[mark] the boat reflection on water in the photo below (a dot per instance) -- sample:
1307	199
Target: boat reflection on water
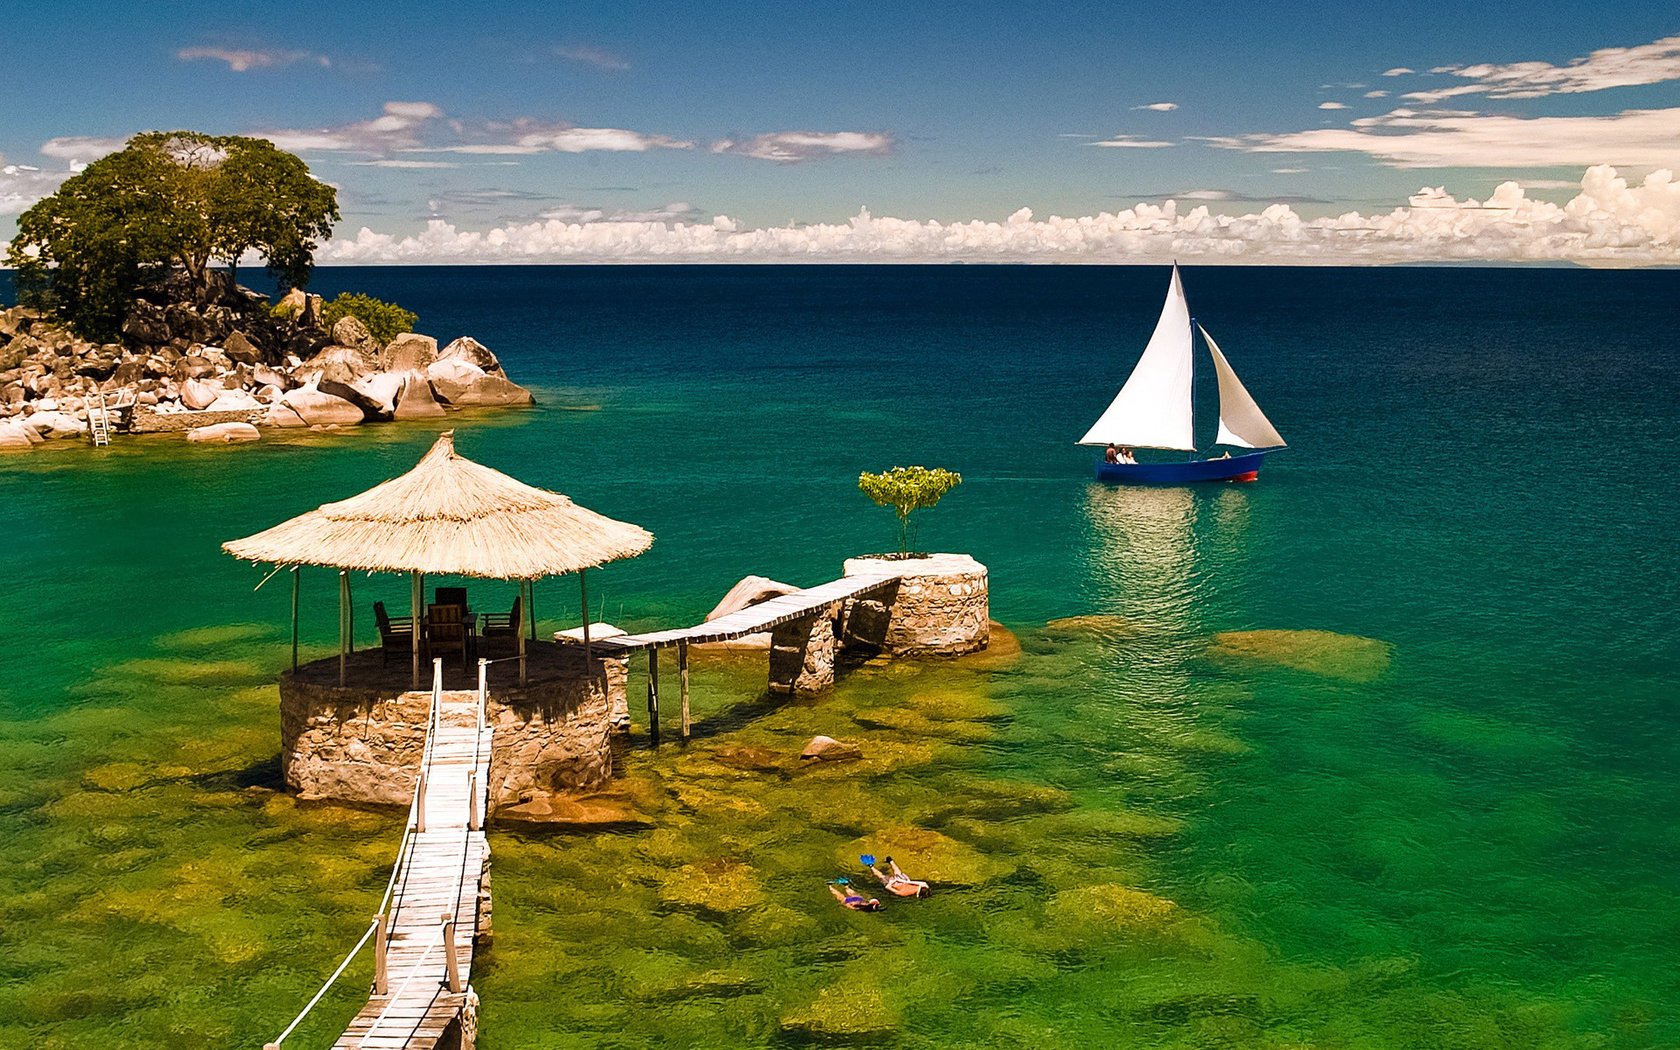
1160	566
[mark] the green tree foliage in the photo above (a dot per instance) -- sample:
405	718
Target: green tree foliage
907	490
168	202
384	320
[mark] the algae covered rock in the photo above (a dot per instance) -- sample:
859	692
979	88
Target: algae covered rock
721	884
828	749
1092	625
1111	908
927	855
1346	656
847	1010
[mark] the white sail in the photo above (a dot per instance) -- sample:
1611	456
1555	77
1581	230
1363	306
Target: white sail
1153	409
1240	420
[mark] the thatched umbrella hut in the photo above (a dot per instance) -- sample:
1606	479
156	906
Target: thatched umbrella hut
448	516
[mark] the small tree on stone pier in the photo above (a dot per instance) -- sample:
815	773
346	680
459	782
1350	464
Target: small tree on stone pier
907	490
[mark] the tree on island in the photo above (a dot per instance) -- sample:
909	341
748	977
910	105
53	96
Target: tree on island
169	202
907	490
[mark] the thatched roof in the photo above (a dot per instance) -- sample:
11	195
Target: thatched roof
449	516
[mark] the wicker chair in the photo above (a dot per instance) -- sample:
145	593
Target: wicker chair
395	636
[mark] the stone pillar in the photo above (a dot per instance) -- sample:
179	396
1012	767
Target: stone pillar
802	653
941	605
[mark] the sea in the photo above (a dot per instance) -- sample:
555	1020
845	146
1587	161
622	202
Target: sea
1382	750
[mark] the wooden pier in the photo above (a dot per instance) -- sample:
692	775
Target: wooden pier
436	904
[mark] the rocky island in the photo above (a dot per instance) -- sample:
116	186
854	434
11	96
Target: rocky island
219	366
132	318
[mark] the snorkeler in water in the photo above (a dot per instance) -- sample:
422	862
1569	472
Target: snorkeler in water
843	892
893	878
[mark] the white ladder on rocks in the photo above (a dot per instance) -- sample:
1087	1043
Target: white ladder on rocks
99	420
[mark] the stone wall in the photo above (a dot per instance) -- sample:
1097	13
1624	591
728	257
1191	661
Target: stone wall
802	653
148	421
363	743
553	735
940	607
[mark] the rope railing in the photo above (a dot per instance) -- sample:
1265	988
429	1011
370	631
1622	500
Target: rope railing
384	921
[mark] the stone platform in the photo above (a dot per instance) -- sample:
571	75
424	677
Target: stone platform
361	742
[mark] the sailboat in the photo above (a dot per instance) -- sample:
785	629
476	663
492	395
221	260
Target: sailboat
1156	409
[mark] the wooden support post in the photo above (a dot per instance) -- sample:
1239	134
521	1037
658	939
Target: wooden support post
682	674
531	607
472	800
381	982
583	589
519	629
343	623
653	693
295	579
414	613
451	964
350	603
420	804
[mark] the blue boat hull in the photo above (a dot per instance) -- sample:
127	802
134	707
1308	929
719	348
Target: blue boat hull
1237	468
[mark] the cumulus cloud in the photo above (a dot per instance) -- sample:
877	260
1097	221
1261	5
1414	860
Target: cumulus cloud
79	149
244	60
1609	222
1130	142
593	56
1405	138
792	147
1159	107
1609	67
397	127
21	185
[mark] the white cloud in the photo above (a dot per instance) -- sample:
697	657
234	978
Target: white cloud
1398	71
593	56
586	140
1609	67
1376	94
1637	138
1331	105
1159	107
1289	171
1131	142
79	149
243	60
397	127
677	211
21	185
792	147
388	162
1609	222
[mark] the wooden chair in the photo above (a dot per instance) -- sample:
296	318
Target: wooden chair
396	637
446	632
502	625
452	596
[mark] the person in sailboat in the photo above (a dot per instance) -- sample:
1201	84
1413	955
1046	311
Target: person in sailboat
1111	454
1125	455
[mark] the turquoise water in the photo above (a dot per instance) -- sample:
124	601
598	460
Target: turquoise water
1445	818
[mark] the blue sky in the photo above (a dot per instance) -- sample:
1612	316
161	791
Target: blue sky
789	114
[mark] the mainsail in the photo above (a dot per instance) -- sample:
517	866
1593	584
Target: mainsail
1240	420
1153	409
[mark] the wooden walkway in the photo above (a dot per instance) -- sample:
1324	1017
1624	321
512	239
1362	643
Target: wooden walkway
428	960
754	619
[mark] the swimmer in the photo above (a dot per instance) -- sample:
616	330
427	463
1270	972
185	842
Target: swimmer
842	890
893	878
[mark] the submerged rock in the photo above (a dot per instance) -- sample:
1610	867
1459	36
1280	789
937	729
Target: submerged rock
224	434
1345	656
845	1010
828	749
1110	907
1096	625
722	884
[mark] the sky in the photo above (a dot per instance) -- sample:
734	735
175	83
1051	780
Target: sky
737	131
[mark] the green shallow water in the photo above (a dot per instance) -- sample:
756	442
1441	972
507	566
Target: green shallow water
1371	754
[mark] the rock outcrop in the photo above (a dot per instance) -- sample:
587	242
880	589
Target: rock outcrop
226	351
